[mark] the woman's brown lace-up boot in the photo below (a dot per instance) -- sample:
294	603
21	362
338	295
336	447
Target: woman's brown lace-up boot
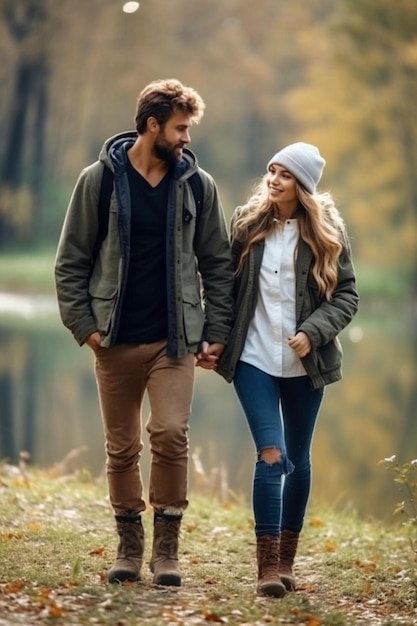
267	554
130	549
287	552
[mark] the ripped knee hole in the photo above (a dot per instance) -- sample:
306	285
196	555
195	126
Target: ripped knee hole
271	455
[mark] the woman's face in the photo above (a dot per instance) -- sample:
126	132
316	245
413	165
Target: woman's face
281	185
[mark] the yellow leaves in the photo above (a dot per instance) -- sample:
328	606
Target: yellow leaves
213	617
19	534
55	610
308	620
316	522
180	615
22	481
344	568
195	560
366	566
48	606
311	620
9	536
330	546
42	603
44	594
14	587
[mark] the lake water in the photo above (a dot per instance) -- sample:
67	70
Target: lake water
49	408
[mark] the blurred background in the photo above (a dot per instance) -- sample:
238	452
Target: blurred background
342	75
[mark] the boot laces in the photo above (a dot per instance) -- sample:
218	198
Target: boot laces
288	548
169	540
268	555
130	540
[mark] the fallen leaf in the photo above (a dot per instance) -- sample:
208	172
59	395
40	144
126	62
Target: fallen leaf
316	522
311	620
17	534
14	587
213	617
330	546
55	610
44	593
97	551
195	560
366	566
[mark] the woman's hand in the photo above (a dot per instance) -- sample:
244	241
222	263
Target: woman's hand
300	343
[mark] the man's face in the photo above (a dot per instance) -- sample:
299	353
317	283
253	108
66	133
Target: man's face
172	138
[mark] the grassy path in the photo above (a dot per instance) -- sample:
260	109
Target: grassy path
57	541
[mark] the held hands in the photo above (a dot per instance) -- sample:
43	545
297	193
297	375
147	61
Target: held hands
300	343
208	356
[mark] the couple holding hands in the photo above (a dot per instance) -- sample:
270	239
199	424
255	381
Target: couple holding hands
171	287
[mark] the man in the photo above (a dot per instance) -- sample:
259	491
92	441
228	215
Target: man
156	292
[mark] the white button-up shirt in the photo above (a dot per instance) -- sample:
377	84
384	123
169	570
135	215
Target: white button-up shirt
266	345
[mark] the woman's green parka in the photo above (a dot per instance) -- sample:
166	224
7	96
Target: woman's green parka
318	318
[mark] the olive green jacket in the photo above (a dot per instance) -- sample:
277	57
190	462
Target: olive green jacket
318	318
199	265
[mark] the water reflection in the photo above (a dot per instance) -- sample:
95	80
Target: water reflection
48	406
28	307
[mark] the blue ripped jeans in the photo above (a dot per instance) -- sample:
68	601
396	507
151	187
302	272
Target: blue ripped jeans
281	414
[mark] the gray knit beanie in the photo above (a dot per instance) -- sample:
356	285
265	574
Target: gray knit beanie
302	160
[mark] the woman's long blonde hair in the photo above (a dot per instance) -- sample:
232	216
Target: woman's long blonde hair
320	223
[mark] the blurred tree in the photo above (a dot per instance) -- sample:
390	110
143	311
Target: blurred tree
243	58
358	104
340	75
380	52
24	159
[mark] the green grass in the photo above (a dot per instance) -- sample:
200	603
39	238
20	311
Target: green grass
392	284
57	541
27	272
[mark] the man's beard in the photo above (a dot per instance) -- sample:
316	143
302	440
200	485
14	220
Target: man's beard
164	151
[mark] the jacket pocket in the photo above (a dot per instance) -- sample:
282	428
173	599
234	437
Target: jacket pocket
102	299
329	356
193	314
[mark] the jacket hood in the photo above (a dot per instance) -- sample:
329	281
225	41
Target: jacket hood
113	154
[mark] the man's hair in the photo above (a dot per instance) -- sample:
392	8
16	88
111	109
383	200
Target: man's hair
162	98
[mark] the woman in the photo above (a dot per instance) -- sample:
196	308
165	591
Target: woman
294	292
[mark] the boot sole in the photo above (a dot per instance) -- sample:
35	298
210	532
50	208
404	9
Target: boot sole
168	580
120	577
274	590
